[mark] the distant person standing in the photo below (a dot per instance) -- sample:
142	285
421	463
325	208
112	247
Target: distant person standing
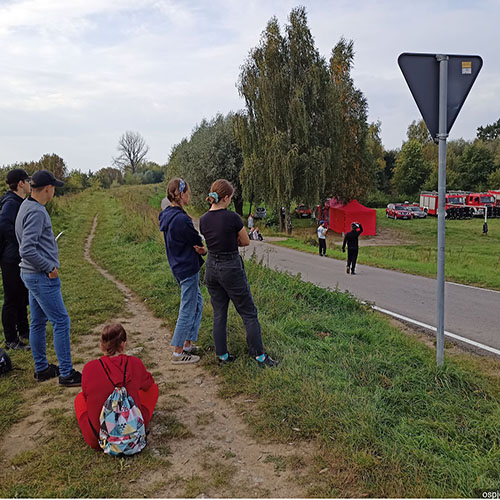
39	271
15	306
250	222
257	235
351	240
322	230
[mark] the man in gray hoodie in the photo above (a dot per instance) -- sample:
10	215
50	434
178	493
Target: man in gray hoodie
39	263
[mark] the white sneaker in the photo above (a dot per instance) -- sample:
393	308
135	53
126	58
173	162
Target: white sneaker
184	359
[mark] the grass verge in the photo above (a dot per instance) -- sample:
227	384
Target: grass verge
389	423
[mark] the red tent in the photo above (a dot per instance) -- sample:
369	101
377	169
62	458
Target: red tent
341	217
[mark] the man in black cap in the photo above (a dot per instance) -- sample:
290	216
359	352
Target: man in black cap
15	306
39	264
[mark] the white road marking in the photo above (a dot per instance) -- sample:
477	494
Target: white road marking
433	328
474	287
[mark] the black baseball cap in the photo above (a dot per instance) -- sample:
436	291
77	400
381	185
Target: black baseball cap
16	175
43	178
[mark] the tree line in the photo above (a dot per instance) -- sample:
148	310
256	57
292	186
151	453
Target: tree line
470	166
302	137
130	166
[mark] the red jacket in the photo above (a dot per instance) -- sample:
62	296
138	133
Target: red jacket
96	388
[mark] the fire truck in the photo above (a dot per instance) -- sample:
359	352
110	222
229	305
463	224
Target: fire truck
496	195
455	204
481	202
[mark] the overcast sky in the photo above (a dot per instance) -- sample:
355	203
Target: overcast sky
76	74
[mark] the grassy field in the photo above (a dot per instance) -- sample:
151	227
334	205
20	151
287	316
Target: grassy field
386	422
411	247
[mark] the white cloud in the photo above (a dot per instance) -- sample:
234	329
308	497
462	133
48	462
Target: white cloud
83	71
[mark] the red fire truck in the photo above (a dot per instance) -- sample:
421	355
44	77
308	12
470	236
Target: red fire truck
455	206
481	202
496	195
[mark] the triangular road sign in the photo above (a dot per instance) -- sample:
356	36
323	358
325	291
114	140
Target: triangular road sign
421	72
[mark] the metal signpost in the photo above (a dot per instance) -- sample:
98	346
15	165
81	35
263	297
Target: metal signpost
440	84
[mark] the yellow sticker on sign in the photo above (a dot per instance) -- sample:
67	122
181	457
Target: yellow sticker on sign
466	67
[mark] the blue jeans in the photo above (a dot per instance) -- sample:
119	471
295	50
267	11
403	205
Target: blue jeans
46	303
189	319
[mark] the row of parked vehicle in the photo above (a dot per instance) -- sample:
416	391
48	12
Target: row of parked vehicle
404	211
458	205
463	204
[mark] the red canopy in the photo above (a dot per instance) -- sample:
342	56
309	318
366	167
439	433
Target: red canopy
341	217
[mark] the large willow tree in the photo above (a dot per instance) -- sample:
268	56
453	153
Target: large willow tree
304	122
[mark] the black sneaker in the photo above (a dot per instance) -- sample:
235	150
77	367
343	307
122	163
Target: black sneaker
50	372
230	359
268	362
17	345
352	272
74	379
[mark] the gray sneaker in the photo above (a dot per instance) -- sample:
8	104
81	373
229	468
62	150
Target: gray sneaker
185	358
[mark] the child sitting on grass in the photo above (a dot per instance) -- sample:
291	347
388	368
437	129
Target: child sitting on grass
96	387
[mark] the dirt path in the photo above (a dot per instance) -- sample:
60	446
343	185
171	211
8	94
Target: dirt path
215	442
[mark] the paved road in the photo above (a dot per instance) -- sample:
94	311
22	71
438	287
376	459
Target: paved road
470	312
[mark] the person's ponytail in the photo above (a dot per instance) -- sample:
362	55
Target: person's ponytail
219	190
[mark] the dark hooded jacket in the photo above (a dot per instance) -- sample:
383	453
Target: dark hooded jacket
9	247
180	236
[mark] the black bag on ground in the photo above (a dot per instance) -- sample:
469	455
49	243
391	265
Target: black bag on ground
5	362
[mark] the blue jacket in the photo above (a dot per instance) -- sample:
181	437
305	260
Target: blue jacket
9	248
37	243
180	236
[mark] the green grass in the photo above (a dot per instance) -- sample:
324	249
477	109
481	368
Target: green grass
368	394
471	258
384	420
